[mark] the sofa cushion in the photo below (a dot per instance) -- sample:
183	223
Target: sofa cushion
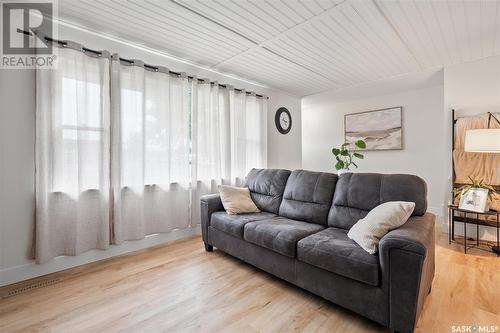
266	188
358	193
333	251
234	224
308	196
279	234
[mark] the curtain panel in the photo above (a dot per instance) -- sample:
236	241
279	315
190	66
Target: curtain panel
210	153
229	138
72	154
150	150
248	138
124	150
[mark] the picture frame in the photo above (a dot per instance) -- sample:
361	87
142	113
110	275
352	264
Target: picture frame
381	129
475	200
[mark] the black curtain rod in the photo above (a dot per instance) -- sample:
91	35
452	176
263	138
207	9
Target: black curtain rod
64	44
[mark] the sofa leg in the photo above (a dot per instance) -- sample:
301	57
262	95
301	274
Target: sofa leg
208	247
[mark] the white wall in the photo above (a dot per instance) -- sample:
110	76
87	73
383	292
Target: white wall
428	98
286	148
17	126
474	87
17	139
422	99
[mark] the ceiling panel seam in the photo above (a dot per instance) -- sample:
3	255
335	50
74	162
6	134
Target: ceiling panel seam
375	2
341	43
186	17
257	45
405	16
438	51
449	53
214	21
277	36
307	48
147	32
368	40
455	34
204	31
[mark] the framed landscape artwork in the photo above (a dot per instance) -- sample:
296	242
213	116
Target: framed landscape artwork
380	129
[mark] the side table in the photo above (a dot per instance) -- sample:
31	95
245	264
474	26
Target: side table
474	218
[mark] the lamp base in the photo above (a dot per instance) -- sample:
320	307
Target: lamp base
495	249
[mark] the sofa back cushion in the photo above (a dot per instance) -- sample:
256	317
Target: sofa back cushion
266	188
358	193
308	196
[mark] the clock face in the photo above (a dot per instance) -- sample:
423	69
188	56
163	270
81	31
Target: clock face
283	120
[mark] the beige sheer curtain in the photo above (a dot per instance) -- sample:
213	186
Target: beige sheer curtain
229	138
150	150
210	141
248	132
72	154
484	166
124	150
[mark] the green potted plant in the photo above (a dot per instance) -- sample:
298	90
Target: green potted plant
345	156
476	187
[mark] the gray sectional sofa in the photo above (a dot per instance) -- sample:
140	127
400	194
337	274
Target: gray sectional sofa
301	236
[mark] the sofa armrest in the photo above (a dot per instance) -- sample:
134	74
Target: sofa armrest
416	235
407	262
210	203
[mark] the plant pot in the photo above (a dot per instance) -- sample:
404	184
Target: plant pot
342	171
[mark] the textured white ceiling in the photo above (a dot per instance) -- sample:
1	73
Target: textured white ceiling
302	46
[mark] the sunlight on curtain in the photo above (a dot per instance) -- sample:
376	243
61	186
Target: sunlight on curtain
150	151
72	155
124	150
210	142
248	133
229	138
256	133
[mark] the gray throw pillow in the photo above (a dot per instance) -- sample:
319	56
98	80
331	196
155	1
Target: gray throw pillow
380	220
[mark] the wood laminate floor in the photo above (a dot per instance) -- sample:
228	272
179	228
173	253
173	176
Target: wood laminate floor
181	288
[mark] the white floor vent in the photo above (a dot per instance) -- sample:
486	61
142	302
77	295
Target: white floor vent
27	288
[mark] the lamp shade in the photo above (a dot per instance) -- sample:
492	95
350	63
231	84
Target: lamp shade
483	140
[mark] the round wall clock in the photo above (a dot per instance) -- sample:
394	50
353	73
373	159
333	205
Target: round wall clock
283	120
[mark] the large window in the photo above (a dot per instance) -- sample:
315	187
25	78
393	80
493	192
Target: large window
124	151
72	155
80	137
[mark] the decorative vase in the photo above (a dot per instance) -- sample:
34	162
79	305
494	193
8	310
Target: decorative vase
342	171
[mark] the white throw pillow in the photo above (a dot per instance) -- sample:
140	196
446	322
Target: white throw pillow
380	220
237	200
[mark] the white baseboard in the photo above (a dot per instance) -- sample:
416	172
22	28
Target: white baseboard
485	233
31	270
441	217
